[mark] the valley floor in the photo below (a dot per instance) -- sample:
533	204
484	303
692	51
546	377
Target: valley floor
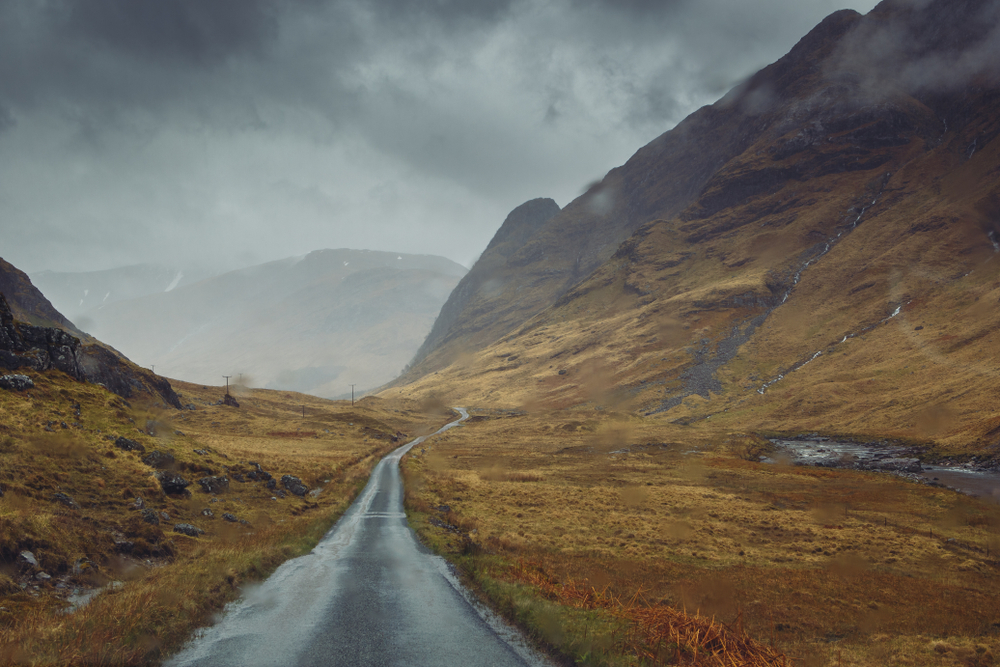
593	528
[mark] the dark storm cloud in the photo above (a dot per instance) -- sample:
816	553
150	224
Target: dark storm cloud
161	130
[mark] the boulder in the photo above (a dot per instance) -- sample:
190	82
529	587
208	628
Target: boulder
230	401
66	500
271	484
213	484
16	382
188	529
294	485
229	517
171	482
139	503
149	516
159	460
27	559
207	512
129	445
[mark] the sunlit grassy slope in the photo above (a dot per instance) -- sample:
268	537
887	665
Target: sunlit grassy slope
171	582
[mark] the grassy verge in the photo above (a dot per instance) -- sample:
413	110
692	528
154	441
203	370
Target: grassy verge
116	534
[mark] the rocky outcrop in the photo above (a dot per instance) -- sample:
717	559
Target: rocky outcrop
294	485
159	460
230	401
213	484
16	382
172	483
188	529
38	348
129	445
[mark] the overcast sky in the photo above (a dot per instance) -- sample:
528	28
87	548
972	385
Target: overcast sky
233	132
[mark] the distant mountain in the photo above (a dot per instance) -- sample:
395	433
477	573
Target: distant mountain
315	324
820	249
77	293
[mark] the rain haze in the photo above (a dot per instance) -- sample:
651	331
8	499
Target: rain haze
234	132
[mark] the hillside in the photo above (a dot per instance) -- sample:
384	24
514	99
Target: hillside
315	324
77	293
815	251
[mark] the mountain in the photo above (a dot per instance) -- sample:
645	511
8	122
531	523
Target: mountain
316	323
818	250
78	293
35	336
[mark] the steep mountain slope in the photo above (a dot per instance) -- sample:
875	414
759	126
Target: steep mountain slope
834	265
315	324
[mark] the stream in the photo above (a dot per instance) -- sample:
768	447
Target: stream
969	478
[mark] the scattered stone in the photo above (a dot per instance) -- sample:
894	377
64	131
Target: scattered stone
315	492
159	460
27	559
188	529
190	406
258	473
139	503
230	401
164	516
81	565
229	517
124	547
271	484
16	382
64	425
129	445
237	476
294	484
213	484
149	516
177	432
444	508
202	452
171	482
214	500
66	500
281	493
42	576
207	512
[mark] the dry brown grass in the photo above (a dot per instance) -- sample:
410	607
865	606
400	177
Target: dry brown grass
170	583
823	563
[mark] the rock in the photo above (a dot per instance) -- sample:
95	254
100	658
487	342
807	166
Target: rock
27	559
124	547
271	484
238	477
149	516
171	482
229	517
16	382
258	473
207	512
190	406
66	500
159	460
294	485
213	484
129	445
139	503
188	529
201	452
42	576
178	432
164	516
81	565
230	401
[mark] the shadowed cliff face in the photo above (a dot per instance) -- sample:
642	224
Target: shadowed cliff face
820	249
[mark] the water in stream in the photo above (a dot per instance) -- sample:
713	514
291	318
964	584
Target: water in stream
903	461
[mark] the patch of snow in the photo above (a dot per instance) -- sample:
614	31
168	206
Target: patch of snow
175	281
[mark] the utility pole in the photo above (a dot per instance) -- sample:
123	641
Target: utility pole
303	412
352	395
152	367
227	383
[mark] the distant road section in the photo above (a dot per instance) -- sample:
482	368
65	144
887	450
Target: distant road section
368	594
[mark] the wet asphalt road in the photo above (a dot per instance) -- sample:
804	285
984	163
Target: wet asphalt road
368	594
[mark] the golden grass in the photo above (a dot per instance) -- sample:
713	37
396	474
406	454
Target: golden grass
169	583
821	563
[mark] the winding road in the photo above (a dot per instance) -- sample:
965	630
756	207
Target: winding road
368	594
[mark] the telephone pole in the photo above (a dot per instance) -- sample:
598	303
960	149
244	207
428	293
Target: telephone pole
227	383
352	395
